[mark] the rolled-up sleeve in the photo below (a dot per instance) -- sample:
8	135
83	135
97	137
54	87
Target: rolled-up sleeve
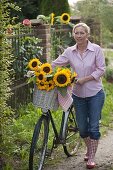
100	65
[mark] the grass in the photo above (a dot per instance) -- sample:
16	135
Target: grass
107	113
108	53
108	56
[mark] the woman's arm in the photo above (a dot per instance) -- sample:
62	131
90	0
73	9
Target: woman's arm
62	60
99	69
100	65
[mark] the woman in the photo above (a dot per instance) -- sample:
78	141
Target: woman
88	61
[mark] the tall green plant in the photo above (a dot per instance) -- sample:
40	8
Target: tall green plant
59	41
28	48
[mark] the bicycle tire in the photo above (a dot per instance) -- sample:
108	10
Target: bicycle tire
39	144
72	137
50	143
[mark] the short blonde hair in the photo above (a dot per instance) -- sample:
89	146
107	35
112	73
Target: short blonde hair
81	24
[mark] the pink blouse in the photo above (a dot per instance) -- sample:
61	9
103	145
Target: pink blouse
91	63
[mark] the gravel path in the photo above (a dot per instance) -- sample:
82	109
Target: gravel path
104	157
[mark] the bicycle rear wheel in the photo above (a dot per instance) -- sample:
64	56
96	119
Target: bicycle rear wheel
39	144
72	137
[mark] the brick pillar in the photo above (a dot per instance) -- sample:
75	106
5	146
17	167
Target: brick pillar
43	33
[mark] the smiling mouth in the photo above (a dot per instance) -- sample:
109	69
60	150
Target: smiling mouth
79	39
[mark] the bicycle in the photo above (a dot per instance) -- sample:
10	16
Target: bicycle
68	136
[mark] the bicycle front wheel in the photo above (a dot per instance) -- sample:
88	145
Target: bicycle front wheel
72	137
39	144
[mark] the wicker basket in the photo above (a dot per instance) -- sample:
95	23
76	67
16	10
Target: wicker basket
46	99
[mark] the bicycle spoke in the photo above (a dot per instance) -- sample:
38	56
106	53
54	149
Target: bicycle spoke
72	139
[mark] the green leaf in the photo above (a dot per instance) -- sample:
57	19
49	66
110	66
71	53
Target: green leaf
49	75
62	90
31	79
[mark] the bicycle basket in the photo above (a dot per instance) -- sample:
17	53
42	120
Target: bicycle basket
45	99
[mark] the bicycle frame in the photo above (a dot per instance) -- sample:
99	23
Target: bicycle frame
59	137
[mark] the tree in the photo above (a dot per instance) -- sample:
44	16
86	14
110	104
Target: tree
54	6
100	12
29	9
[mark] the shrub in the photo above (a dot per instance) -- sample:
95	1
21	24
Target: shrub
6	59
109	73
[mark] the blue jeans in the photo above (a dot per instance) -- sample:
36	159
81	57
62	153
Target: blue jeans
88	113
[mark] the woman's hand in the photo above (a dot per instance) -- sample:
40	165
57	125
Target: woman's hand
83	80
80	81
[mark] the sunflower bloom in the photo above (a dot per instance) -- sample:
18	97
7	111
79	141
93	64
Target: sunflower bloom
61	79
40	77
73	76
68	71
41	86
46	67
50	85
52	18
34	64
65	18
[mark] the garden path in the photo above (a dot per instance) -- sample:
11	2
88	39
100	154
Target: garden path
104	157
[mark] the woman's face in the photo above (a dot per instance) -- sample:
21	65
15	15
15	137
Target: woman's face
80	35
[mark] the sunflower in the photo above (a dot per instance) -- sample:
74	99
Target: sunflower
61	79
34	64
74	75
65	18
40	77
52	18
50	85
68	71
41	86
46	67
59	69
